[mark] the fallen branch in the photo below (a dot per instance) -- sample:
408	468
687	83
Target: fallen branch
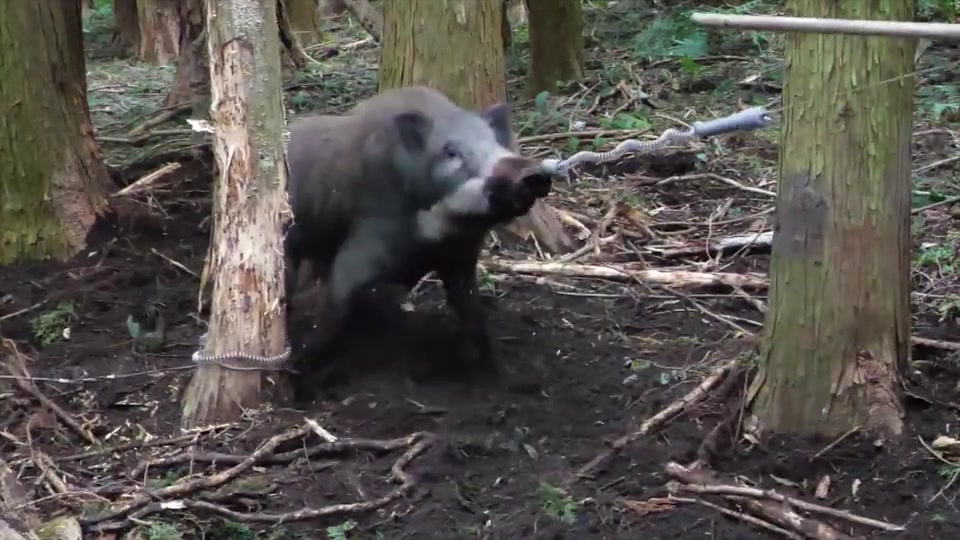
191	484
160	117
397	474
334	447
190	438
740	241
753	520
144	183
14	364
658	420
147	503
783	514
935	343
623	272
718	178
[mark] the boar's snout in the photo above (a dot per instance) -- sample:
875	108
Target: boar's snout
526	177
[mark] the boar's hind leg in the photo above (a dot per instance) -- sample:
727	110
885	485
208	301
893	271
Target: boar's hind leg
460	283
363	259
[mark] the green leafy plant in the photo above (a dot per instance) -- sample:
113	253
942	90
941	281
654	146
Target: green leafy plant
342	531
557	503
50	327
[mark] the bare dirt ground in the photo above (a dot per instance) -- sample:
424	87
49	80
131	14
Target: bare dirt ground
588	359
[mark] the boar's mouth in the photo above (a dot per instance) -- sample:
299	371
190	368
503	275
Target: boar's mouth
528	176
537	181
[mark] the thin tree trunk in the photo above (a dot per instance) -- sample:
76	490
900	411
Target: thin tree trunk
246	265
191	84
838	328
556	44
159	31
330	8
459	51
304	21
53	182
368	17
126	28
293	57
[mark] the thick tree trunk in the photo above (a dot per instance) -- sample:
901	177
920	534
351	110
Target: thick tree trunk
159	30
556	44
459	51
303	16
838	329
457	48
247	312
126	28
53	182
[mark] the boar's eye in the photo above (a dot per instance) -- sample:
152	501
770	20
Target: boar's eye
450	151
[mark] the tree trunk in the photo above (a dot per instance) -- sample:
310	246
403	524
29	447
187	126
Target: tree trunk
838	328
87	6
368	17
126	28
304	20
53	182
191	84
159	30
511	9
556	44
247	312
459	51
330	8
292	56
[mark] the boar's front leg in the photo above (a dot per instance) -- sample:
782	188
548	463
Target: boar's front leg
459	276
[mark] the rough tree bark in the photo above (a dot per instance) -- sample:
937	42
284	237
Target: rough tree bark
159	30
303	16
838	328
53	182
456	47
556	44
126	28
246	263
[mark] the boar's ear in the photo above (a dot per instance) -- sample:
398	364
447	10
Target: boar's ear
414	128
498	116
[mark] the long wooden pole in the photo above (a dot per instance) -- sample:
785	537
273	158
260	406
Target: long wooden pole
830	26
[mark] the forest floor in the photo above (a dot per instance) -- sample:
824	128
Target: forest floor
589	360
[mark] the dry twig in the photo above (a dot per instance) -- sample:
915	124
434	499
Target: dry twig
146	503
658	420
15	364
624	272
783	514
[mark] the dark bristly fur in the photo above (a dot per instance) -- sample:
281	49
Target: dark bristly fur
404	184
